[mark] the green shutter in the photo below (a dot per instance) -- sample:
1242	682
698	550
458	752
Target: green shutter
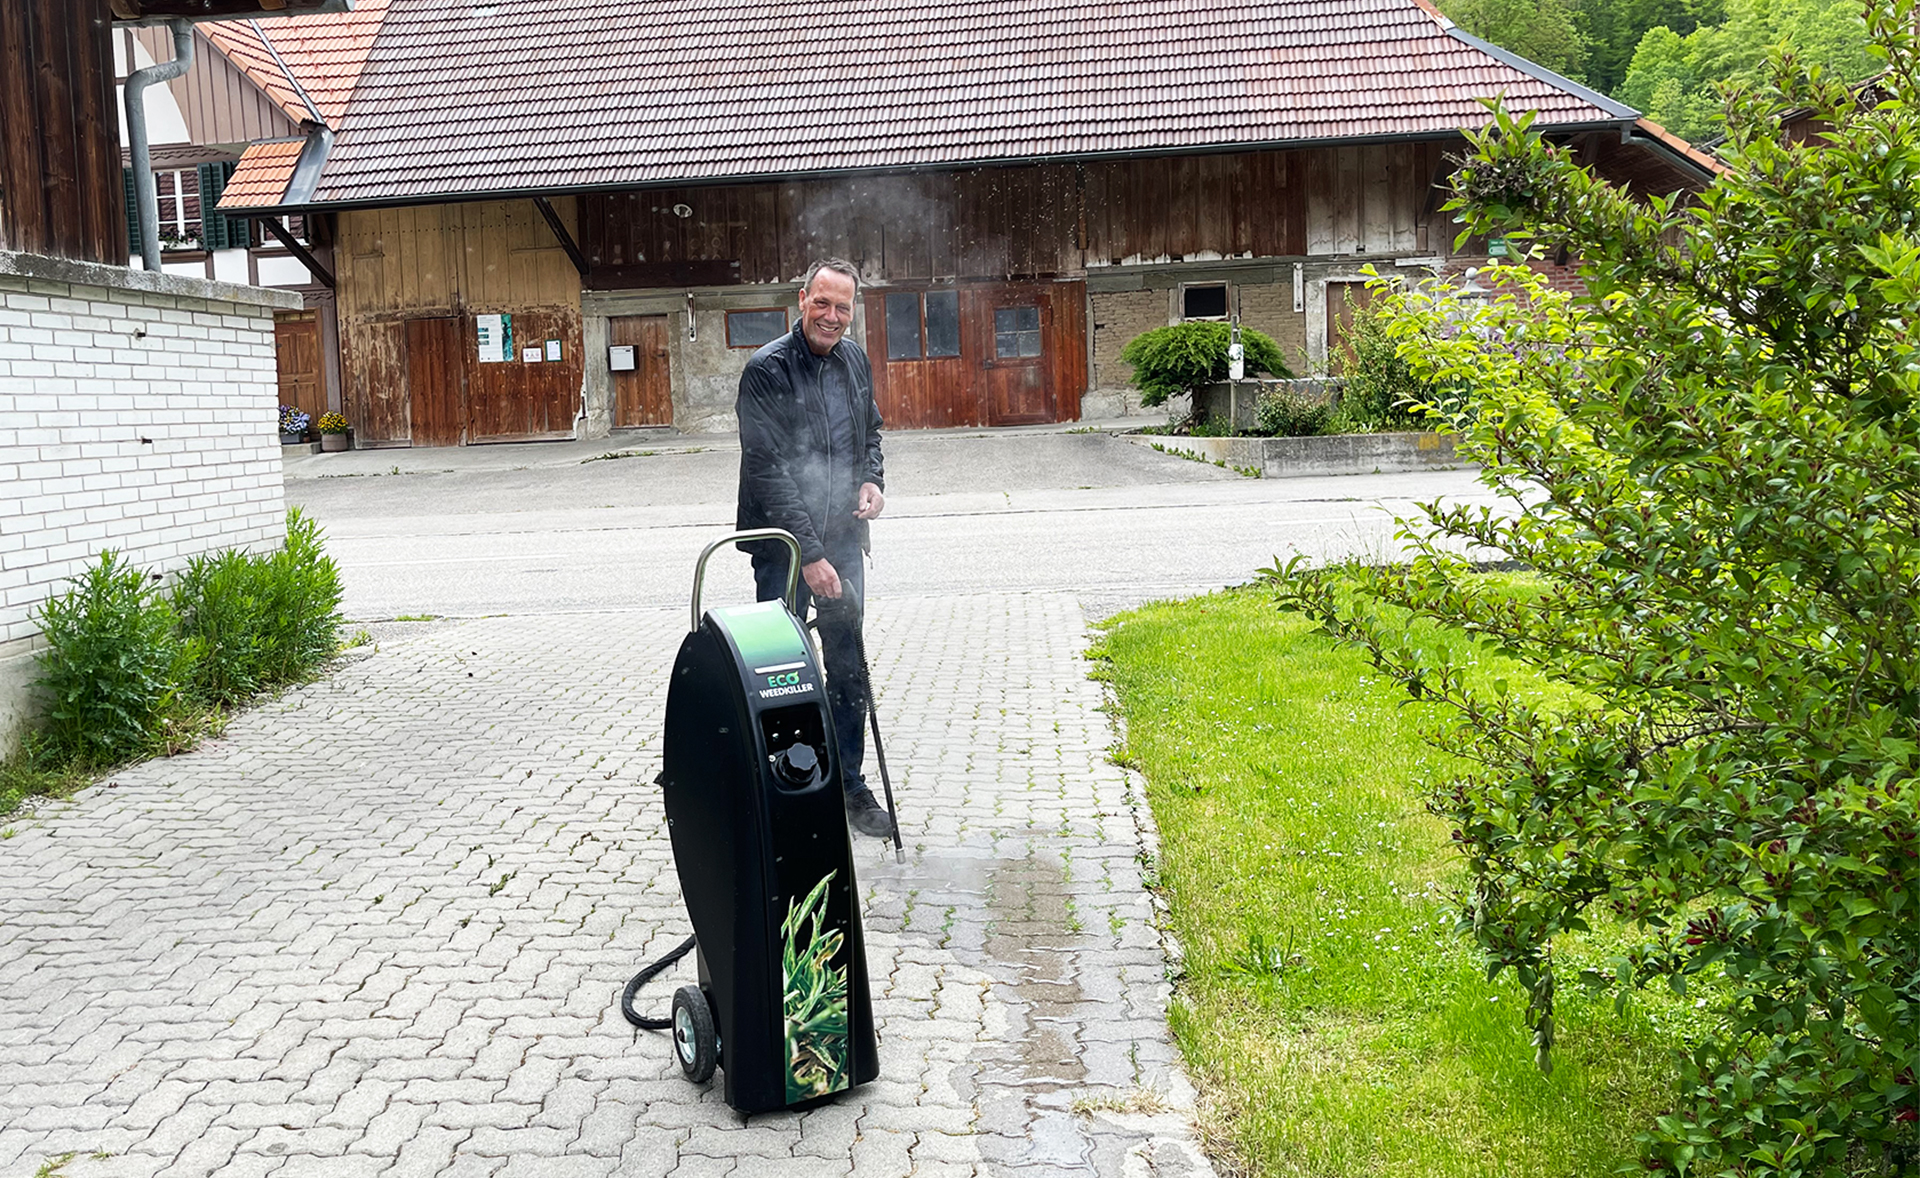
133	214
217	232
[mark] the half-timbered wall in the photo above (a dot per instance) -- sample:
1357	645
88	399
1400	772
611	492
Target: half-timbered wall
424	273
60	188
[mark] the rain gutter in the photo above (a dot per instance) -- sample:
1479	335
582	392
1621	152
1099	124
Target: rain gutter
146	204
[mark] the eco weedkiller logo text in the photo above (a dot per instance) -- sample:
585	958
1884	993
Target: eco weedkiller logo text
786	684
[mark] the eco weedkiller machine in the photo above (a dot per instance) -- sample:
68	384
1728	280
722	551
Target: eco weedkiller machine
757	819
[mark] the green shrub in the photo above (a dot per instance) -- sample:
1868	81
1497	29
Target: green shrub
1286	412
1712	456
121	661
259	621
107	673
302	597
1380	391
1181	358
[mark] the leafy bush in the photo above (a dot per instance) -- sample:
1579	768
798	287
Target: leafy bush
107	673
1711	460
1380	390
302	596
120	660
1286	412
1181	358
259	621
331	423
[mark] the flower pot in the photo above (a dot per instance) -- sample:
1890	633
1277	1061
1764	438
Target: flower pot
333	443
288	438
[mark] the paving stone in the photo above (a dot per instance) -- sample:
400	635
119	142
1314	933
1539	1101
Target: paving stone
466	1026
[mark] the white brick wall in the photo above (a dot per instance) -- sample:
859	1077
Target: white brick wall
138	413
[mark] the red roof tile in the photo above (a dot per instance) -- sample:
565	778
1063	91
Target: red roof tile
260	179
517	95
323	53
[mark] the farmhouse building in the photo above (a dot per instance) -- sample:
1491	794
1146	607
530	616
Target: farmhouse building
556	218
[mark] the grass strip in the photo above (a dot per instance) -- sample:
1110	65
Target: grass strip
1335	1022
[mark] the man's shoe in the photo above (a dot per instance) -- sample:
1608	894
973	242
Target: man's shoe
865	815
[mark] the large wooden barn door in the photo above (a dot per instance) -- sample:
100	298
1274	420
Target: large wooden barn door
296	348
923	372
643	396
435	386
988	354
529	397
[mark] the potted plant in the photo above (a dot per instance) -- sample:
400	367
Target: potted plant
293	425
333	432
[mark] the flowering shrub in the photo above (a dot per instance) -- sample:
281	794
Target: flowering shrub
332	423
293	421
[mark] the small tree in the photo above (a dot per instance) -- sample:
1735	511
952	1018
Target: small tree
1181	358
1712	461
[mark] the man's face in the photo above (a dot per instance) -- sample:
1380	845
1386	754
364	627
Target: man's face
826	310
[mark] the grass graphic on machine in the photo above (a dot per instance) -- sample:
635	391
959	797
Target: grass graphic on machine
814	993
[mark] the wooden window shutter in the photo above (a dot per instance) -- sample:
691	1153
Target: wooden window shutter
217	232
133	213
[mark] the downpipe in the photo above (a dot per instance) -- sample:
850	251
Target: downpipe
147	205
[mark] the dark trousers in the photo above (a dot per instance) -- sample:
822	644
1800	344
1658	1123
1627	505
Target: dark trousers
846	678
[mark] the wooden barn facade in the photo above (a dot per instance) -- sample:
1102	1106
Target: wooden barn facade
582	241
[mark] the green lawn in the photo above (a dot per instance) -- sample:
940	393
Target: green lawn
1335	1023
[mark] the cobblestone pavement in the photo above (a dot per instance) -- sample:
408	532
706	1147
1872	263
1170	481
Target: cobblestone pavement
381	925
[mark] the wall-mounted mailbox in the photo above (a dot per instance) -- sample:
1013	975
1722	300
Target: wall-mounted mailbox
620	358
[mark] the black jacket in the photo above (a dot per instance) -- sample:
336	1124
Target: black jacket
784	464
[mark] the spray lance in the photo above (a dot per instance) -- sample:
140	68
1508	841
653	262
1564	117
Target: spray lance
846	608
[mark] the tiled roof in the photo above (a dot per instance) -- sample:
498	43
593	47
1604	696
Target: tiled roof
261	178
518	95
323	53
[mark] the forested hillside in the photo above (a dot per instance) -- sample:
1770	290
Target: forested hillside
1666	57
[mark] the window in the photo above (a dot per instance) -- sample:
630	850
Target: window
178	195
903	326
750	329
1205	301
1016	332
943	322
923	325
295	225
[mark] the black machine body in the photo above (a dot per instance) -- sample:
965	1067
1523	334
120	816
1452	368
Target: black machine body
759	831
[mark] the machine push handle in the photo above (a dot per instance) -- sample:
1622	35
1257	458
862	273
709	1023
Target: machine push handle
793	566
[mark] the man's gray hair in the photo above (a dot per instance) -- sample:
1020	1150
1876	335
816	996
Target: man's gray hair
838	266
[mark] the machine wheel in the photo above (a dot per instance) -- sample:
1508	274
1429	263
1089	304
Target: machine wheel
694	1039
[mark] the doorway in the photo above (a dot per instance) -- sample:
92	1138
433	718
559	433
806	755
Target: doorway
644	395
436	392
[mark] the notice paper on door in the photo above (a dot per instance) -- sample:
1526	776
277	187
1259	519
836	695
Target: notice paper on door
553	351
530	355
495	334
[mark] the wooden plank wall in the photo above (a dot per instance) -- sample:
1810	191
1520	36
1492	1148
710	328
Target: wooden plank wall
460	261
1039	221
217	101
60	186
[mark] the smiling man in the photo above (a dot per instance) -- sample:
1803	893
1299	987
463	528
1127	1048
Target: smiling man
810	463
